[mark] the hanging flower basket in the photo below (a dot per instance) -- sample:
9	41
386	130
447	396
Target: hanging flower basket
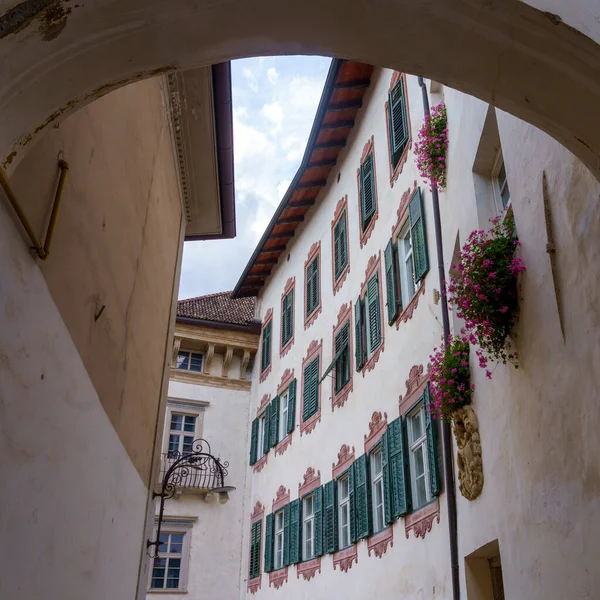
450	378
431	146
484	290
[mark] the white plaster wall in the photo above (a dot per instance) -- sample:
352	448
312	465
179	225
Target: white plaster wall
216	535
73	504
538	424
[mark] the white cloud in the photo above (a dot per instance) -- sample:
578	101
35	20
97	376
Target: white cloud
273	112
272	75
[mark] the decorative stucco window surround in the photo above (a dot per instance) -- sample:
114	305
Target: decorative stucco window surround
314	349
314	252
311	481
395	171
290	286
421	520
369	149
265	373
256	516
341	212
344	317
401	217
279	577
374	265
286	379
346	557
379	541
262	461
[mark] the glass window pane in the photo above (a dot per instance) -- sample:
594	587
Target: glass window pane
196	362
157	582
176	422
505	194
176	544
183	360
416	426
173	445
164	542
421	491
419	461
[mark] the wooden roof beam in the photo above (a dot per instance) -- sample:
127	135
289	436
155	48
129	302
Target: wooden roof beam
290	220
311	184
301	204
282	236
272	250
339	125
344	106
357	83
325	145
265	261
322	163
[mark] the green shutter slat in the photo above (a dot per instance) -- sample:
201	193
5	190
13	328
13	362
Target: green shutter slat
310	395
362	498
398	469
358	334
418	235
398	121
254	441
315	286
266	346
267	429
269	543
254	569
291	407
352	502
373	313
287	318
391	281
274	421
367	191
295	533
318	510
385	467
283	313
431	429
340	246
330	518
286	535
312	286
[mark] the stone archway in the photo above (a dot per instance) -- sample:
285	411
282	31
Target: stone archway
58	55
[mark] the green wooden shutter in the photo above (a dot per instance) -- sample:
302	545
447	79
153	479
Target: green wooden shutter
291	407
418	235
287	538
358	334
318	510
312	285
398	121
274	421
267	429
295	533
342	364
309	292
330	518
269	543
385	468
367	191
362	499
398	469
431	429
352	502
290	315
266	346
254	570
373	313
311	389
340	248
254	441
391	281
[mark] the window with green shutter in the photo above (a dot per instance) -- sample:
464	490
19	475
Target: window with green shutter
269	543
312	286
266	429
266	346
330	529
254	442
294	532
310	397
418	235
287	318
359	334
286	535
340	247
318	510
397	122
341	358
368	200
373	315
361	499
254	567
399	490
291	412
274	422
391	282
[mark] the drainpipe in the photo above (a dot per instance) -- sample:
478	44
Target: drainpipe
446	434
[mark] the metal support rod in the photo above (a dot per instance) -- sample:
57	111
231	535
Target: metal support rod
42	251
446	433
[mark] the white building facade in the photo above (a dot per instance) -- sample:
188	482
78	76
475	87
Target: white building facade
347	494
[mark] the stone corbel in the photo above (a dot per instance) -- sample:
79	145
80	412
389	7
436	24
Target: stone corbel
176	346
227	360
244	365
210	352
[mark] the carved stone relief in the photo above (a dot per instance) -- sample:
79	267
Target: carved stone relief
470	464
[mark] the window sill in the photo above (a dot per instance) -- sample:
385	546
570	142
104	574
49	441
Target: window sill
310	319
286	347
378	543
407	313
165	591
278	578
395	171
307	426
282	446
344	558
421	521
260	463
339	398
254	584
366	234
339	282
370	364
265	374
309	568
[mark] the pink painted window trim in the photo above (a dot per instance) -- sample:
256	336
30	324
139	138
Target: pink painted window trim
395	171
378	543
289	286
346	457
421	521
308	569
268	317
315	250
278	578
311	481
377	427
315	349
281	498
345	558
257	514
341	210
366	234
338	399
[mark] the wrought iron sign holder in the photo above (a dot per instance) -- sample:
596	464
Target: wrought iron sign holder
198	468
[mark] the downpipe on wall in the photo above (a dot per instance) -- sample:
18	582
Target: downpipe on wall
446	433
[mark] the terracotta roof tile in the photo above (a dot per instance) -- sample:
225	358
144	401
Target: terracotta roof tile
220	307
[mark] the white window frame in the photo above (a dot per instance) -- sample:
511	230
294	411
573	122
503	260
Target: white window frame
260	442
184	556
378	509
279	540
190	353
413	446
183	408
284	404
499	188
406	264
344	540
308	521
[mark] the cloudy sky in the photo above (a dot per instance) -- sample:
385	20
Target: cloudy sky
274	104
